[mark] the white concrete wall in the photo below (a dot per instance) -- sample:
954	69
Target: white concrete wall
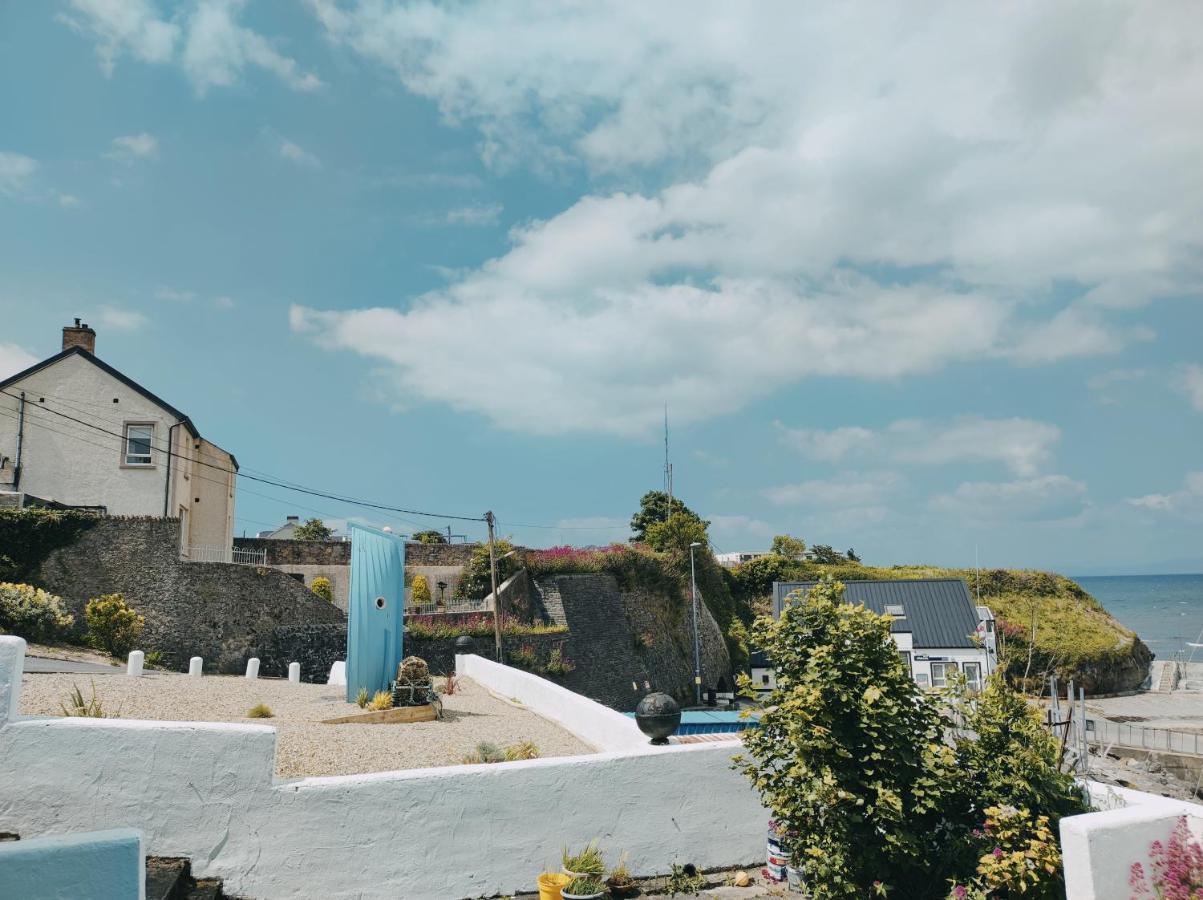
205	791
1099	848
597	725
210	494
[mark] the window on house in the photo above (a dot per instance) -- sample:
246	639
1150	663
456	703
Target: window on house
895	610
906	660
922	680
973	676
137	444
764	679
940	672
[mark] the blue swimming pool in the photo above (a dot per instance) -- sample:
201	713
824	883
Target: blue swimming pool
705	721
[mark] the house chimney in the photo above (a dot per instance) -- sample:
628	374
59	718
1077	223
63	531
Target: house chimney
293	518
81	336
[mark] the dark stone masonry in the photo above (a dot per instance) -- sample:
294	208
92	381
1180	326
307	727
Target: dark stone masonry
220	611
299	553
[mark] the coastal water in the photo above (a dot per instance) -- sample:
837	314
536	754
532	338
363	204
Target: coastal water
1165	610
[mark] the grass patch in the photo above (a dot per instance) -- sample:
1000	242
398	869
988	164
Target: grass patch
260	711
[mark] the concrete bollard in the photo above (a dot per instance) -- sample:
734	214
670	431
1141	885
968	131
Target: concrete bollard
294	672
252	667
196	666
136	660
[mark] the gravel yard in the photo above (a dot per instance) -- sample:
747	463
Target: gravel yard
305	746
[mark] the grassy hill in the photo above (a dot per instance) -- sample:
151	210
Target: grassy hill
1047	622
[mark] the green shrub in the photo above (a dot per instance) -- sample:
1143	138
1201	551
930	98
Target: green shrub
476	583
112	625
362	698
420	594
588	862
260	711
323	588
33	614
381	700
558	663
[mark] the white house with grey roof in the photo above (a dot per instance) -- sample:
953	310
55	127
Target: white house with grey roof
937	627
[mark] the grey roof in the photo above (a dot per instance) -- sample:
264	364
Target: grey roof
939	612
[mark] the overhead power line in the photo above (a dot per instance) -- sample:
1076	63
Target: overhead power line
328	495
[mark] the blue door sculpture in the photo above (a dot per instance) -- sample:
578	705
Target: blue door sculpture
375	622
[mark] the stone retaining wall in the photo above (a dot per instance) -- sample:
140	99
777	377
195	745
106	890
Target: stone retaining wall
220	611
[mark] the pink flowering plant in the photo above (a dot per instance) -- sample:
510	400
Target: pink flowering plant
1175	870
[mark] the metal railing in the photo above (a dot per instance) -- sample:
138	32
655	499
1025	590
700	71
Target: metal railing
226	555
1123	734
452	607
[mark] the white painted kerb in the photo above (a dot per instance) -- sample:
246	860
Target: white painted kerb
600	726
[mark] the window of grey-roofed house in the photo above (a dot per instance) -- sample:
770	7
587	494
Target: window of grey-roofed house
138	439
895	610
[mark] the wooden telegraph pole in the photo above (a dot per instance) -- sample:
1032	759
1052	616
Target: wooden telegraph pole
489	520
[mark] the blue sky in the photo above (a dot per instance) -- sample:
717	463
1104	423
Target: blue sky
917	284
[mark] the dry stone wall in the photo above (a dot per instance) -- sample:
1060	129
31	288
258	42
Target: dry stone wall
220	611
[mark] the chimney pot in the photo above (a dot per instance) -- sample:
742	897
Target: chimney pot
79	335
294	518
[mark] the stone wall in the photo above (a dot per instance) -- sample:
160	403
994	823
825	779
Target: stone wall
419	554
301	553
625	643
220	611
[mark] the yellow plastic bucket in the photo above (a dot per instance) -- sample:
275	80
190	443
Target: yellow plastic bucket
551	884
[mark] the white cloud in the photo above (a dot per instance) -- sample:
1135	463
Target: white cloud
67	201
224	302
206	40
1104	383
121	319
740	527
14	359
1186	503
174	295
1048	498
478	216
1189	381
972	161
1023	445
15	171
848	490
131	147
298	154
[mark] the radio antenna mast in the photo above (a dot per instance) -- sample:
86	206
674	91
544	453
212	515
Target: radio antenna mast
668	466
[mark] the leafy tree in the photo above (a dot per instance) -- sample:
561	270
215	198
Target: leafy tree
851	555
476	583
676	534
849	755
323	588
788	546
653	508
430	536
824	553
312	530
420	591
755	577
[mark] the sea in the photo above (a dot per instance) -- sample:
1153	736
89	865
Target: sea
1166	611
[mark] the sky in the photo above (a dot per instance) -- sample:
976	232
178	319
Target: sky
922	281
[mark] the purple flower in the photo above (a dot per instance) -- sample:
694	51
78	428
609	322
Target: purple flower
960	892
998	854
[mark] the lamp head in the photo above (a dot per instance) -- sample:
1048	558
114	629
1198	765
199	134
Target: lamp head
695	544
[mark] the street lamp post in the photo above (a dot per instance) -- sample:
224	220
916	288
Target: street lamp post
697	653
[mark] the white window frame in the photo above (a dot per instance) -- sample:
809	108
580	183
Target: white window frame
946	668
149	458
975	683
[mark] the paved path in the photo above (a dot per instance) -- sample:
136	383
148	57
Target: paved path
40	665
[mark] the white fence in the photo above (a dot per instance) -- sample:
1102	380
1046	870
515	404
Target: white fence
226	555
1104	732
457	607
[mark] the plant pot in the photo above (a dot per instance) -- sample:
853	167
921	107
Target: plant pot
623	889
567	896
551	885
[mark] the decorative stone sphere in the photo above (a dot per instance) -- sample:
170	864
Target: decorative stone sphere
464	644
658	716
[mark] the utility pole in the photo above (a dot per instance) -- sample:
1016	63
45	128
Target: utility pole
697	653
489	520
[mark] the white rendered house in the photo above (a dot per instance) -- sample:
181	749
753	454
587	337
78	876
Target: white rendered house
935	624
76	432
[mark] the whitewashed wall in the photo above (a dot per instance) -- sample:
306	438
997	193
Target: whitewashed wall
1099	848
205	791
